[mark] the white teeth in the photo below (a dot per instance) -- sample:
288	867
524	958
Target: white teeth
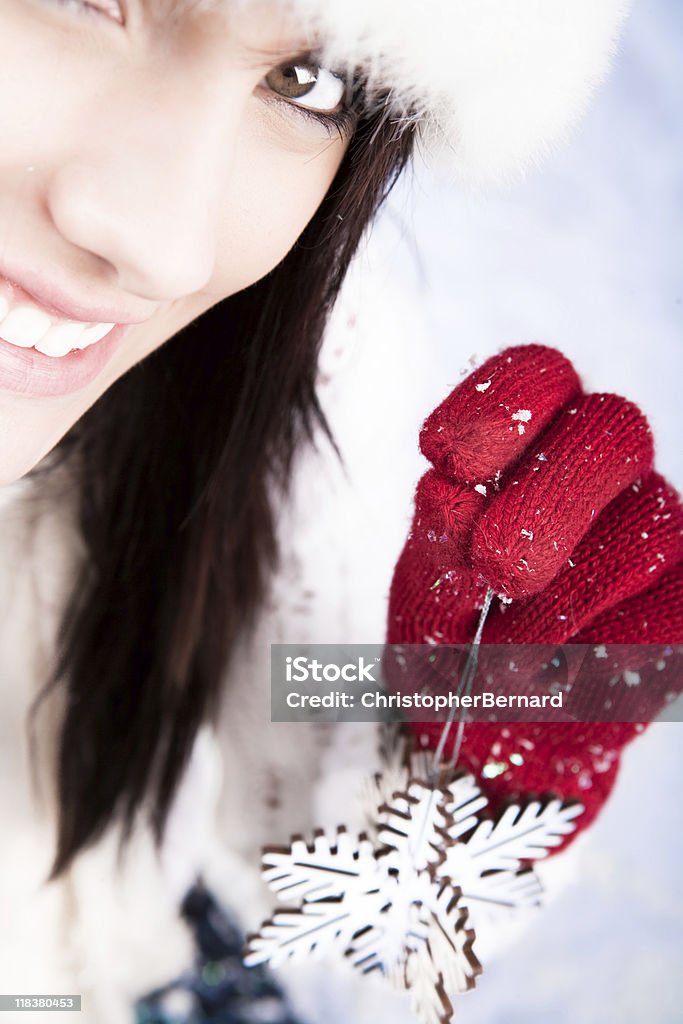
93	334
24	326
60	340
28	327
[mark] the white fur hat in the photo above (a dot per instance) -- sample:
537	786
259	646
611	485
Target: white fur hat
497	82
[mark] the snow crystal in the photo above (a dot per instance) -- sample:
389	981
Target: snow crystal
527	533
631	678
600	651
524	415
480	488
483	387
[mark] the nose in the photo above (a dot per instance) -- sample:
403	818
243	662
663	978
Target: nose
141	186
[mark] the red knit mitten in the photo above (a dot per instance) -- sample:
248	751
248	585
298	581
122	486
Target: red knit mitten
547	495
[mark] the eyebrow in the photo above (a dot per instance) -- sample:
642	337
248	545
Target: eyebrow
265	54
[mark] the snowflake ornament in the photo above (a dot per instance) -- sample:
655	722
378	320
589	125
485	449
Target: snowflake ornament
407	899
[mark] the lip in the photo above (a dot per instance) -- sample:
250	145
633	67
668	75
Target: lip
68	306
31	374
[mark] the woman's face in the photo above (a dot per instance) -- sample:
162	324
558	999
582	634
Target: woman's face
155	159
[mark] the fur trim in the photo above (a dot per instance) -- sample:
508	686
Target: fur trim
497	83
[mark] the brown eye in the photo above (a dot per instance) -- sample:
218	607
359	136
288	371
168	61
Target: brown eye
317	87
292	80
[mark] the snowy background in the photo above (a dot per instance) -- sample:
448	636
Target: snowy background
586	253
585	256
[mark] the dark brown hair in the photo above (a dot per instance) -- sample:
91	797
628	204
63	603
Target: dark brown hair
178	464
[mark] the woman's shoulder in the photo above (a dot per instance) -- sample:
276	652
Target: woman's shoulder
40	550
37	513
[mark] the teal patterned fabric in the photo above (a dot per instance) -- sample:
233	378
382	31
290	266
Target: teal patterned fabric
218	988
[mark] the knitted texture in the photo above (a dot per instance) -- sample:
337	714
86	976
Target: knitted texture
549	496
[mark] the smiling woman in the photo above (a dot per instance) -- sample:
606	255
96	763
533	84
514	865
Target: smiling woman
183	187
147	208
161	166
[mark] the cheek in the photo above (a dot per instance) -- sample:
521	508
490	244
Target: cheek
272	199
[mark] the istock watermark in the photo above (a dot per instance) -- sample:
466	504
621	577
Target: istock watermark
31	1003
301	669
486	683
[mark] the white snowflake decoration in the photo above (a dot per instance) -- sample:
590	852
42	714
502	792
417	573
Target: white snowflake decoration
405	901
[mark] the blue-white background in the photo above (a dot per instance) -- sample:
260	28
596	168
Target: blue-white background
586	255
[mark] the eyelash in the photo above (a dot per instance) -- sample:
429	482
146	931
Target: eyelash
343	121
